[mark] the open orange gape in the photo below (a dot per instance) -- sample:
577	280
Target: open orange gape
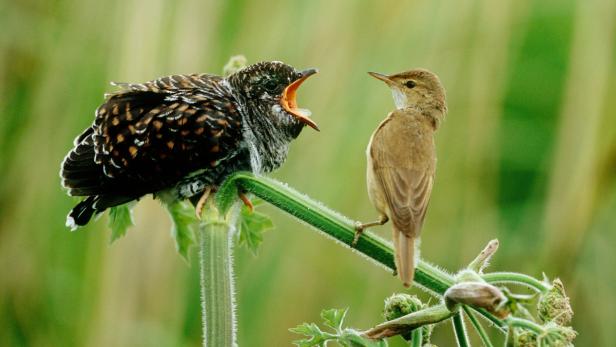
289	101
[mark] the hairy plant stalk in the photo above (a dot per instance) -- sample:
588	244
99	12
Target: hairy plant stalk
217	292
478	327
416	337
516	278
342	229
460	329
329	222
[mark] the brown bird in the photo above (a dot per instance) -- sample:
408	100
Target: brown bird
402	161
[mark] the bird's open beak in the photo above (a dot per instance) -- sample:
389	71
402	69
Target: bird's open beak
289	102
381	77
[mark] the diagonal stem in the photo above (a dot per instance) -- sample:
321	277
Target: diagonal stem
334	225
329	222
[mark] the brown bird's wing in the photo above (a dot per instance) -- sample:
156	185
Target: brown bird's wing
403	160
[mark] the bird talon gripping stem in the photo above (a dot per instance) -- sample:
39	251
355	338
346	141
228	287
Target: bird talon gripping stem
201	202
247	202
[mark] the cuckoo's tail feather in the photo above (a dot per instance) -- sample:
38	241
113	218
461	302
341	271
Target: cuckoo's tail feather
81	214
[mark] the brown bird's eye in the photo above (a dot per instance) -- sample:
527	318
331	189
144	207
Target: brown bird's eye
410	84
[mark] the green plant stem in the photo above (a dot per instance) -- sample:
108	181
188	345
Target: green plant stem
417	337
525	324
460	330
478	327
516	278
334	225
328	222
217	292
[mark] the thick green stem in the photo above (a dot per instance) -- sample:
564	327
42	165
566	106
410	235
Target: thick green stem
460	330
328	222
217	292
334	225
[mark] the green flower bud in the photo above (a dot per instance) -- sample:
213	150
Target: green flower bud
526	339
399	305
554	305
468	275
554	336
235	63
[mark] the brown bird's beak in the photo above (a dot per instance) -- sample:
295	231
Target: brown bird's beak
289	102
381	77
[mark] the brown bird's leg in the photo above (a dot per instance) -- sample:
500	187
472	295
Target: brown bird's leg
359	227
246	201
201	202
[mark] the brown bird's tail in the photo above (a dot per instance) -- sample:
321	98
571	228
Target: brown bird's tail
404	247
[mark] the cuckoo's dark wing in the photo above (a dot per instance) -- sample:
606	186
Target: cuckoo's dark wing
148	136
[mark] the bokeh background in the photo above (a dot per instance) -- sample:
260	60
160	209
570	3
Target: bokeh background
527	155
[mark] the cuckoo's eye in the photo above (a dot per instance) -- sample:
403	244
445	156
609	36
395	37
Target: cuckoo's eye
410	84
271	85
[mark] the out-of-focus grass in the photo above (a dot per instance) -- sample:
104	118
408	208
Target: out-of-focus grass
527	154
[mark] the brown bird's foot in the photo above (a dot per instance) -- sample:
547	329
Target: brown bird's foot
359	228
247	202
201	203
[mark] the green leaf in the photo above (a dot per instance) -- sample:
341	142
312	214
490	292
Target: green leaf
120	219
226	195
252	225
315	335
334	318
183	219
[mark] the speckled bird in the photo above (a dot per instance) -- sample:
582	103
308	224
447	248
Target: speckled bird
183	134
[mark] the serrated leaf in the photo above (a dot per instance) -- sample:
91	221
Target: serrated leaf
334	318
252	225
226	195
308	329
183	220
312	331
120	219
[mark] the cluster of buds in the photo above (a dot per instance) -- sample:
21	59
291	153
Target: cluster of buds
554	305
399	305
555	312
405	314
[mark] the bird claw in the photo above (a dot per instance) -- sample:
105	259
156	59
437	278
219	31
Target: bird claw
201	202
359	229
247	202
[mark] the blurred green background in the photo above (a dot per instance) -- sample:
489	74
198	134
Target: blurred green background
527	155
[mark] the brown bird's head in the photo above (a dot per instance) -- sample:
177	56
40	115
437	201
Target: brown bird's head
417	88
